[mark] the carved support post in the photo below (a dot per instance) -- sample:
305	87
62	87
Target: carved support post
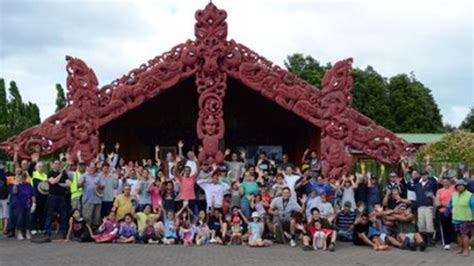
210	125
337	160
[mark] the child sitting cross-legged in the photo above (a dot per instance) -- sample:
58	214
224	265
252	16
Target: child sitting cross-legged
256	228
128	230
108	230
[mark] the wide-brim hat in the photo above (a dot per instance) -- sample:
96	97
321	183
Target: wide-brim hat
461	182
451	173
43	188
99	192
255	215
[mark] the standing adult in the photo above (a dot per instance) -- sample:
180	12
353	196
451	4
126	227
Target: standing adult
214	189
92	183
110	184
59	183
76	191
425	190
41	195
313	162
235	166
462	208
443	196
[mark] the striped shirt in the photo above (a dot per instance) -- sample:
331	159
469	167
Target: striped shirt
344	221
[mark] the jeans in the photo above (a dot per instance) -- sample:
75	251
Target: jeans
57	204
245	206
11	218
23	218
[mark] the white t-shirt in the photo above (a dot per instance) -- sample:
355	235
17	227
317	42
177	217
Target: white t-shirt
193	166
215	191
134	184
290	181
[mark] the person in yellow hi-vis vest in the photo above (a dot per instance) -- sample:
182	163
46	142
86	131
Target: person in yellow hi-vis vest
41	195
76	191
461	206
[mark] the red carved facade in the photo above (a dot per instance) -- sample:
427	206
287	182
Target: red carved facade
211	58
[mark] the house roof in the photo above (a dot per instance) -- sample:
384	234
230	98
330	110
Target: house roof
420	138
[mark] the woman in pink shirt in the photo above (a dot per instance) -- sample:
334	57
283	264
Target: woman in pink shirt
187	183
442	201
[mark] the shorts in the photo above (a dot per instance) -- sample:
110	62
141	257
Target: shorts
410	236
463	228
4	209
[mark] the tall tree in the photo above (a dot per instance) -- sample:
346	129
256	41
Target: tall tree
16	115
412	106
468	122
60	98
307	68
3	102
400	104
371	97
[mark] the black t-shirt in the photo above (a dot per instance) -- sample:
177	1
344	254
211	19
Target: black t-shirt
78	227
265	165
214	224
56	189
361	228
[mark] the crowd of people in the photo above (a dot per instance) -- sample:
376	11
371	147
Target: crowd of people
182	201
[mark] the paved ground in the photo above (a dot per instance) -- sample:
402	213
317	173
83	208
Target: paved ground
13	252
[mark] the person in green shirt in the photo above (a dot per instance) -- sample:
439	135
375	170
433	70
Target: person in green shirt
248	187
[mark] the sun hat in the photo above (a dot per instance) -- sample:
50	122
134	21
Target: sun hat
255	215
99	192
43	188
460	182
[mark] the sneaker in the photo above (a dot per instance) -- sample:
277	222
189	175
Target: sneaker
307	248
447	247
332	247
19	236
422	246
11	234
213	241
292	243
413	246
34	232
28	235
405	244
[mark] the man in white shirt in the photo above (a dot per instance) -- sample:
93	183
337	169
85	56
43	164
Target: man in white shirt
214	190
291	179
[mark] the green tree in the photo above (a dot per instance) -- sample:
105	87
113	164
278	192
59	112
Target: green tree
307	68
3	102
60	98
468	122
371	96
413	107
400	104
453	147
16	115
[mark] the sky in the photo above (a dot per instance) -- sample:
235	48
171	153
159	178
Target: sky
432	39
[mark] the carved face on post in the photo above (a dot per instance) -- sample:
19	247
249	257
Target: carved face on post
210	125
